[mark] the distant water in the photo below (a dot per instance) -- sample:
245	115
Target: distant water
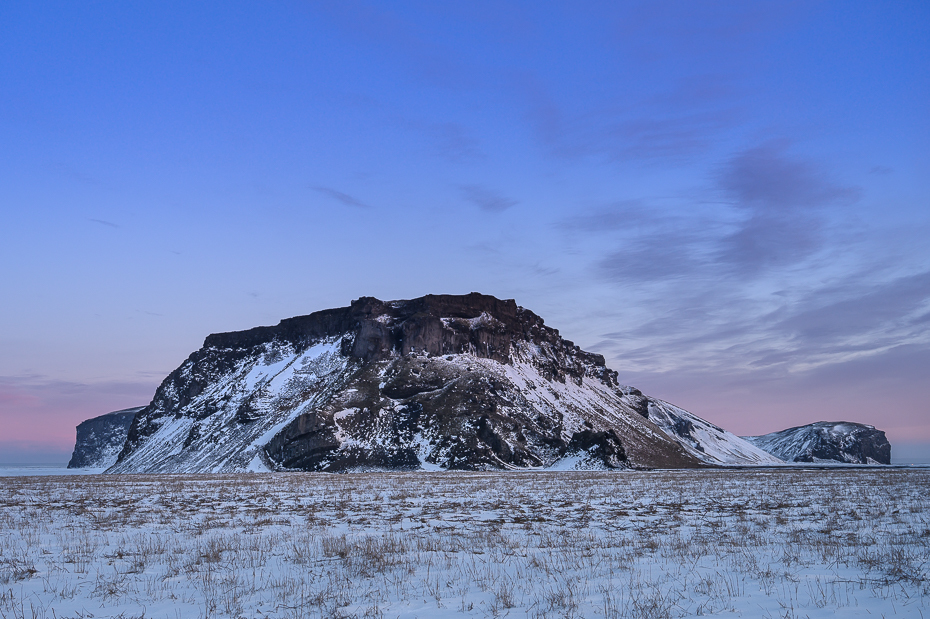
25	470
910	453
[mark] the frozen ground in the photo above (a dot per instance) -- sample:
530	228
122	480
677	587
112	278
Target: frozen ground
726	543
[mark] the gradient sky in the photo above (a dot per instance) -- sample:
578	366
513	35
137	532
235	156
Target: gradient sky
730	201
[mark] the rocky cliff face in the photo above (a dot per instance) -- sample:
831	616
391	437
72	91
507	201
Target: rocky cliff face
100	440
439	382
827	441
446	382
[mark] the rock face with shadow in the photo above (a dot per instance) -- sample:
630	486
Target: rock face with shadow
439	382
827	441
100	440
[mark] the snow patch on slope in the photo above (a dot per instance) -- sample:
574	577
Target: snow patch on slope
704	440
244	409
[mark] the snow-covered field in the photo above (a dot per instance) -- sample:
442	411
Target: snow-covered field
753	543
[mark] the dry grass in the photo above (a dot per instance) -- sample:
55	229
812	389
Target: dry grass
775	543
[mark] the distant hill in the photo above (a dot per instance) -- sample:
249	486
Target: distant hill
827	441
100	440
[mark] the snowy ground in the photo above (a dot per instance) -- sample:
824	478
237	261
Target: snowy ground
753	543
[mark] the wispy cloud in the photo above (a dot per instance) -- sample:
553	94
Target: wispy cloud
454	143
774	213
761	274
654	256
764	179
619	215
339	196
487	199
103	222
711	324
768	241
783	199
832	316
671	126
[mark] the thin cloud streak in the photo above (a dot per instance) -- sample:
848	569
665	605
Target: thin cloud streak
620	215
642	131
487	199
732	332
890	305
103	222
341	197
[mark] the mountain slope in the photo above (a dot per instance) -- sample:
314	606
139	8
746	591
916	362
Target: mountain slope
704	440
443	381
827	441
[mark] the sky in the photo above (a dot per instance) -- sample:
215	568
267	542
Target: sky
729	200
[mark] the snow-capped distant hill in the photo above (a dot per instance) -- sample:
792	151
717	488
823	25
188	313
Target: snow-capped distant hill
827	441
443	381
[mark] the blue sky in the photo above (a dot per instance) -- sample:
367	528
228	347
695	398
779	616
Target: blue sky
730	201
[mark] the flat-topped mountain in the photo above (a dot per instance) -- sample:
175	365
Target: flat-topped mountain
827	441
442	381
439	382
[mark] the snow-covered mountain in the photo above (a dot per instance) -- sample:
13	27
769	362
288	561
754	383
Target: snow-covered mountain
443	381
827	441
100	440
705	441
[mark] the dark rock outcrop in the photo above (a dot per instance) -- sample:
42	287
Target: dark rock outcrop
827	441
604	446
100	440
444	381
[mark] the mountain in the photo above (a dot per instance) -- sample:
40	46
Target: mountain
100	440
438	382
827	441
703	440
